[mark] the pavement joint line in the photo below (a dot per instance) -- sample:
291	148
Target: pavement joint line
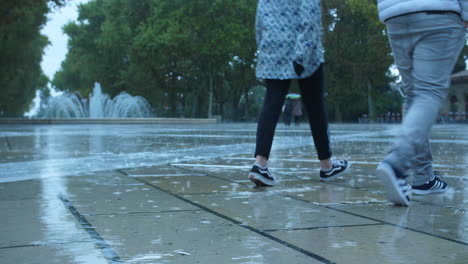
45	244
202	194
8	143
106	250
354	214
181	166
317	181
163	175
248	181
136	213
335	209
380	221
458	166
208	165
317	227
259	232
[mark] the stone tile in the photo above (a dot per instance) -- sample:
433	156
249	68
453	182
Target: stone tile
84	253
160	171
102	178
194	184
376	244
326	193
189	237
347	220
30	222
268	210
20	190
441	221
123	200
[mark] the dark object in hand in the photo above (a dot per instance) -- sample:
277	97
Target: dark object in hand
298	68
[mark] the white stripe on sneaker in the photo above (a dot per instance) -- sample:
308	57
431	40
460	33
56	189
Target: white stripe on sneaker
264	171
332	170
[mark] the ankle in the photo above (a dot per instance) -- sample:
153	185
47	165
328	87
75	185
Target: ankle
326	165
261	160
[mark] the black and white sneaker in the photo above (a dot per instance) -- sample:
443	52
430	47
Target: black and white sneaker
396	188
436	185
261	176
338	167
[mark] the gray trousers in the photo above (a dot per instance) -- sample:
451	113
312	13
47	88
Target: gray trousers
425	47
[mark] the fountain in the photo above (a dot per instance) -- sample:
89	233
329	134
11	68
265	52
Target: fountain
72	108
72	105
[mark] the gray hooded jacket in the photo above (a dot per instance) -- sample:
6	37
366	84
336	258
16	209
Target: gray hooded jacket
288	31
392	8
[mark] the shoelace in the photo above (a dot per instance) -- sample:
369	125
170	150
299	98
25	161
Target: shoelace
338	162
436	177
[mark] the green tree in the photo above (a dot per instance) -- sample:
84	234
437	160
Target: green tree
177	54
461	62
357	58
21	50
197	58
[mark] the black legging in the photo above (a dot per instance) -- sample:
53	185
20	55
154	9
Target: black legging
312	97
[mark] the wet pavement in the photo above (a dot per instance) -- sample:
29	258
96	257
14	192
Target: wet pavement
179	194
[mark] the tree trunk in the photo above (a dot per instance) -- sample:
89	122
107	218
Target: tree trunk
338	116
370	103
172	98
210	99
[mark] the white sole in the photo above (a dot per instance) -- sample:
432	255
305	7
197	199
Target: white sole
420	192
392	190
255	178
336	175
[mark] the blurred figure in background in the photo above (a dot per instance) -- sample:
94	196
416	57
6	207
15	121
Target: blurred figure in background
297	111
287	113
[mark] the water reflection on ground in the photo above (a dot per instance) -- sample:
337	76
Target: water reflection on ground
179	194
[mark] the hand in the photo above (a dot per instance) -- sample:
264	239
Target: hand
298	68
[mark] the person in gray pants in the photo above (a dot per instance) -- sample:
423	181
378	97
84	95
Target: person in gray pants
426	37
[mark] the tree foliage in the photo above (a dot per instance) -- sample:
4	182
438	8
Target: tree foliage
191	58
21	50
357	58
177	54
194	58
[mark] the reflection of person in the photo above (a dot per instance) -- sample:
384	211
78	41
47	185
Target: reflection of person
290	47
426	37
297	112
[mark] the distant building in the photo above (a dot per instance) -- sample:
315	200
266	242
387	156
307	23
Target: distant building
457	101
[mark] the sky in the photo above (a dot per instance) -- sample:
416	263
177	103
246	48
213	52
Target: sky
57	49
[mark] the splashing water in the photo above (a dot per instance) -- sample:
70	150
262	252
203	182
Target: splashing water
72	105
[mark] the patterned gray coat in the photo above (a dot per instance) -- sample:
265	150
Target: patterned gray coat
288	31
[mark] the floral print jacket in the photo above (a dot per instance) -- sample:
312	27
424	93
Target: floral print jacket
288	31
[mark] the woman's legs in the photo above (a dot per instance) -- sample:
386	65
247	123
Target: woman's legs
271	111
297	120
312	96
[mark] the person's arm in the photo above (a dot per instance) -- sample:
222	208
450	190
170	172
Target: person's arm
259	28
310	32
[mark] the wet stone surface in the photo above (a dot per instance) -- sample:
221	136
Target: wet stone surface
180	194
